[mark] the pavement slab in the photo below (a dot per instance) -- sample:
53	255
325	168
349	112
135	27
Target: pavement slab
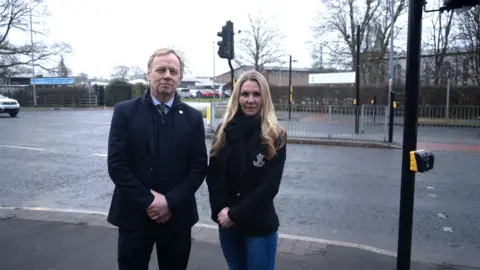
52	240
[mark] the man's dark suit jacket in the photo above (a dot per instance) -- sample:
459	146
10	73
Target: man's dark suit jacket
147	151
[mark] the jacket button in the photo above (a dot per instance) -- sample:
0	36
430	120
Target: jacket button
238	194
151	169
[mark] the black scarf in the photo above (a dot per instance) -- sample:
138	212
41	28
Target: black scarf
237	134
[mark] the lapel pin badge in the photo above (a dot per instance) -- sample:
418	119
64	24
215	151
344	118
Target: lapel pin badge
181	112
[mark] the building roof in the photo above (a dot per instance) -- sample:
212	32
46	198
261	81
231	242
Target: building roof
273	68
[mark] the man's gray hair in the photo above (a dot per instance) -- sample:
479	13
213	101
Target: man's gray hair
165	51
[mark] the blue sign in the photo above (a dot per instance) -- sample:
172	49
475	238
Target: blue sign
52	81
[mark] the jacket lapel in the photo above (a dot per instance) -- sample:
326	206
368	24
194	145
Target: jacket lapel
149	124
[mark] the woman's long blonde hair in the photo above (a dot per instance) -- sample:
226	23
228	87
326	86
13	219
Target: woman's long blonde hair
273	135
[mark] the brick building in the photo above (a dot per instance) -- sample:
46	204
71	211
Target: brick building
460	64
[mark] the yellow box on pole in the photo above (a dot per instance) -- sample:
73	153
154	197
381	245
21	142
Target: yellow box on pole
209	110
421	161
291	93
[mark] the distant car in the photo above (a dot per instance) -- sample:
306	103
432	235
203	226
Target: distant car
227	93
8	105
185	93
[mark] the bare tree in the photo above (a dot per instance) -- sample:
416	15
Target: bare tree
121	72
137	73
62	70
341	20
438	43
83	74
469	35
13	71
15	17
260	45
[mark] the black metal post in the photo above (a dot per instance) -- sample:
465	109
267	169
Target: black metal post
390	117
231	73
374	107
290	89
357	83
414	41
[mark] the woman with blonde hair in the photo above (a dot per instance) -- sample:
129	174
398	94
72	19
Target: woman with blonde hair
246	166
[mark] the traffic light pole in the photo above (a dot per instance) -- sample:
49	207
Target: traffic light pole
407	191
357	83
232	75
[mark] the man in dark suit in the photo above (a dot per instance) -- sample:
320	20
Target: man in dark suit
157	159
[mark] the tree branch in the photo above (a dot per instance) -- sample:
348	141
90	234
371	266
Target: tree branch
261	44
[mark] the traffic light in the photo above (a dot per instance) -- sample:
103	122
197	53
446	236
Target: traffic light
226	45
457	4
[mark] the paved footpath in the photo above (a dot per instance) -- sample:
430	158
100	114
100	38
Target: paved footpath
37	239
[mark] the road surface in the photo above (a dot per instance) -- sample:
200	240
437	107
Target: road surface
57	159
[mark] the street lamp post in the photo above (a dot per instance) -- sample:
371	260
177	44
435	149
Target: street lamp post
390	75
33	58
357	82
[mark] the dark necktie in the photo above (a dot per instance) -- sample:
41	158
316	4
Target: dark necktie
162	108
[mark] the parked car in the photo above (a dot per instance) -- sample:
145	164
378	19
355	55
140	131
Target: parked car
208	93
227	93
185	93
9	105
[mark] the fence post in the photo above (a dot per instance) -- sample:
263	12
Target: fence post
329	113
362	119
212	111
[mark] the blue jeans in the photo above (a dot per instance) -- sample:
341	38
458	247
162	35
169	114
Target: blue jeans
243	252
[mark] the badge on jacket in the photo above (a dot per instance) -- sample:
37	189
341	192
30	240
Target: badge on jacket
260	161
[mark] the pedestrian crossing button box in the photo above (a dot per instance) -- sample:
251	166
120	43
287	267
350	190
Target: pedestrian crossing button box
421	161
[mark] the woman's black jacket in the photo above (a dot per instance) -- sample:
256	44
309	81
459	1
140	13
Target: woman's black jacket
250	196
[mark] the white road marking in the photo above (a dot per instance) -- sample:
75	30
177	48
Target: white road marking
440	215
430	188
22	147
100	155
215	227
432	195
447	229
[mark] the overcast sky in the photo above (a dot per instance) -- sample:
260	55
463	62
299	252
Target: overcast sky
107	33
